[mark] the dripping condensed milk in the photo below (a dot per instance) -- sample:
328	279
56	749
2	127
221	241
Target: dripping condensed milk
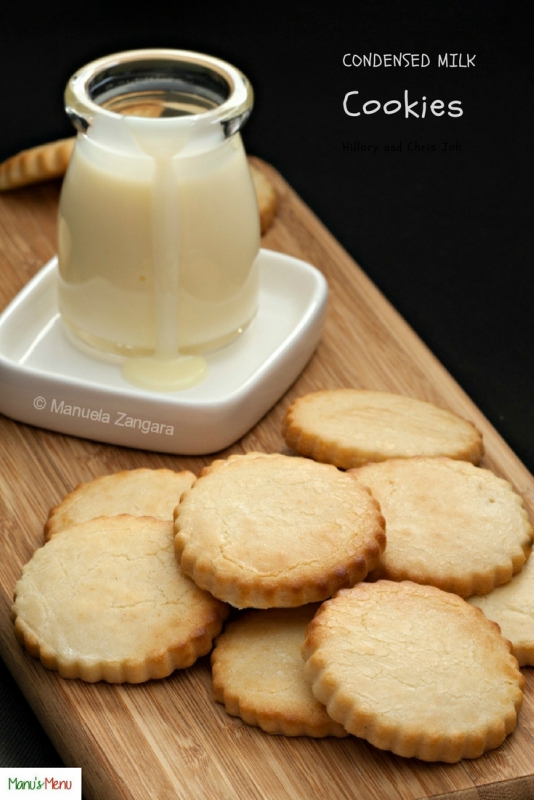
158	220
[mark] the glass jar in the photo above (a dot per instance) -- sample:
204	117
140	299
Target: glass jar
158	219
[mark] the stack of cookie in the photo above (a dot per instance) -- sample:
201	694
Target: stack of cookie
332	632
400	659
105	599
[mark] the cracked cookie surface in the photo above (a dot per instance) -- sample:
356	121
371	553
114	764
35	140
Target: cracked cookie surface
107	601
449	524
413	670
263	531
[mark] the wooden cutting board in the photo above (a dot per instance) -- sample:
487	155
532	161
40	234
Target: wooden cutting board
167	739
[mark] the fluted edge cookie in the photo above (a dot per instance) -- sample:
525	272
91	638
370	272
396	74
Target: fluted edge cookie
37	164
263	531
512	607
258	674
349	427
449	523
139	492
266	197
413	670
108	602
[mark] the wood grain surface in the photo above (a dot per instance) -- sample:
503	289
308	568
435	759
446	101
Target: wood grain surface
168	739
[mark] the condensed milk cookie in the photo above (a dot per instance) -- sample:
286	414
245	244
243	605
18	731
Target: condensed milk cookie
37	164
449	524
264	531
349	427
413	670
108	602
140	492
258	674
266	197
512	608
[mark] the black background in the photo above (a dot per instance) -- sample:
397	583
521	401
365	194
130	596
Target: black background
446	236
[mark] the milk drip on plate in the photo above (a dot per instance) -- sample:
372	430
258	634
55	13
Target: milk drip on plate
158	225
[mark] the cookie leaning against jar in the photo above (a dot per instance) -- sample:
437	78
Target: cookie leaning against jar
349	427
50	161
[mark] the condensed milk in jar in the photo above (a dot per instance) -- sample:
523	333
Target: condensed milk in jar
158	218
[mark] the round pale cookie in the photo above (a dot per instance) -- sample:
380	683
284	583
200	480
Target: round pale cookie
414	670
449	524
258	674
37	164
512	607
349	427
266	197
139	492
108	602
266	531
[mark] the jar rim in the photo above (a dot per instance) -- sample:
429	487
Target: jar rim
227	93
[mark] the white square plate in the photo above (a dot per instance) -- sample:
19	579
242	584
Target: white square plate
46	381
